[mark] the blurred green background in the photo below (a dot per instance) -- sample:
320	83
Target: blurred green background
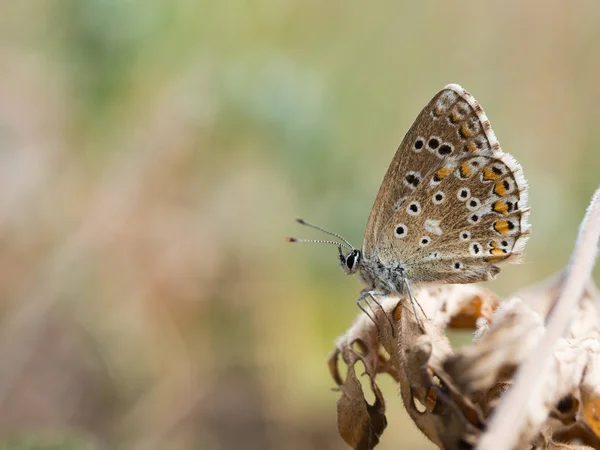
154	155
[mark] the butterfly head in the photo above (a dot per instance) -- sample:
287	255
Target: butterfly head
350	261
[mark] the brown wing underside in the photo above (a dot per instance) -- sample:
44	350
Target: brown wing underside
450	146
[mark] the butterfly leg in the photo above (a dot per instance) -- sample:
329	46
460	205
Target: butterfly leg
413	301
373	294
363	297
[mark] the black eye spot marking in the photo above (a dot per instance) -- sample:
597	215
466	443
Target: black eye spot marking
475	248
401	230
506	184
425	240
474	218
463	194
433	143
475	163
438	198
412	179
457	265
444	150
465	235
511	225
434	255
413	208
419	144
473	204
497	170
504	244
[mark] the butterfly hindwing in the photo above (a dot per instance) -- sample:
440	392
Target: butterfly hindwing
468	210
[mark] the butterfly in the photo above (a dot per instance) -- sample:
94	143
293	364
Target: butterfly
451	206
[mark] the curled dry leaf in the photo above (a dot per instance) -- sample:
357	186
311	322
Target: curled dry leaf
416	357
359	423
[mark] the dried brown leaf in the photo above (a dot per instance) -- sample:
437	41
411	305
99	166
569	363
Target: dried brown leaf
359	423
417	350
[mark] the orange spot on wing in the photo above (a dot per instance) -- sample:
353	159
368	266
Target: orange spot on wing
591	410
501	226
465	170
443	172
464	131
489	174
499	189
493	259
496	252
500	207
471	147
454	116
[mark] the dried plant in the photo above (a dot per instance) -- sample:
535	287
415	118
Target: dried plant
530	380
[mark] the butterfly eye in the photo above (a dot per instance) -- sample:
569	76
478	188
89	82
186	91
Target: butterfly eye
350	261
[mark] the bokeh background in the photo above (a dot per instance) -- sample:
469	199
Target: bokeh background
153	156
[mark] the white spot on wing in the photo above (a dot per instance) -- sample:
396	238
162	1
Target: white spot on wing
433	226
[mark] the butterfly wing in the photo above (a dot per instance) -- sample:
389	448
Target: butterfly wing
419	154
468	210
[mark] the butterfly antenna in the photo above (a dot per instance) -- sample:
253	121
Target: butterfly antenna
304	222
317	241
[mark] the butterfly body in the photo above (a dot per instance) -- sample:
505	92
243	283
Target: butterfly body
374	274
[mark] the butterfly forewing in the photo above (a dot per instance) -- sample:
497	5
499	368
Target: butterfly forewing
452	203
427	145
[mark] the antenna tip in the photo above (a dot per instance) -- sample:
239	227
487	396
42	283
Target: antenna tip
300	221
291	239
